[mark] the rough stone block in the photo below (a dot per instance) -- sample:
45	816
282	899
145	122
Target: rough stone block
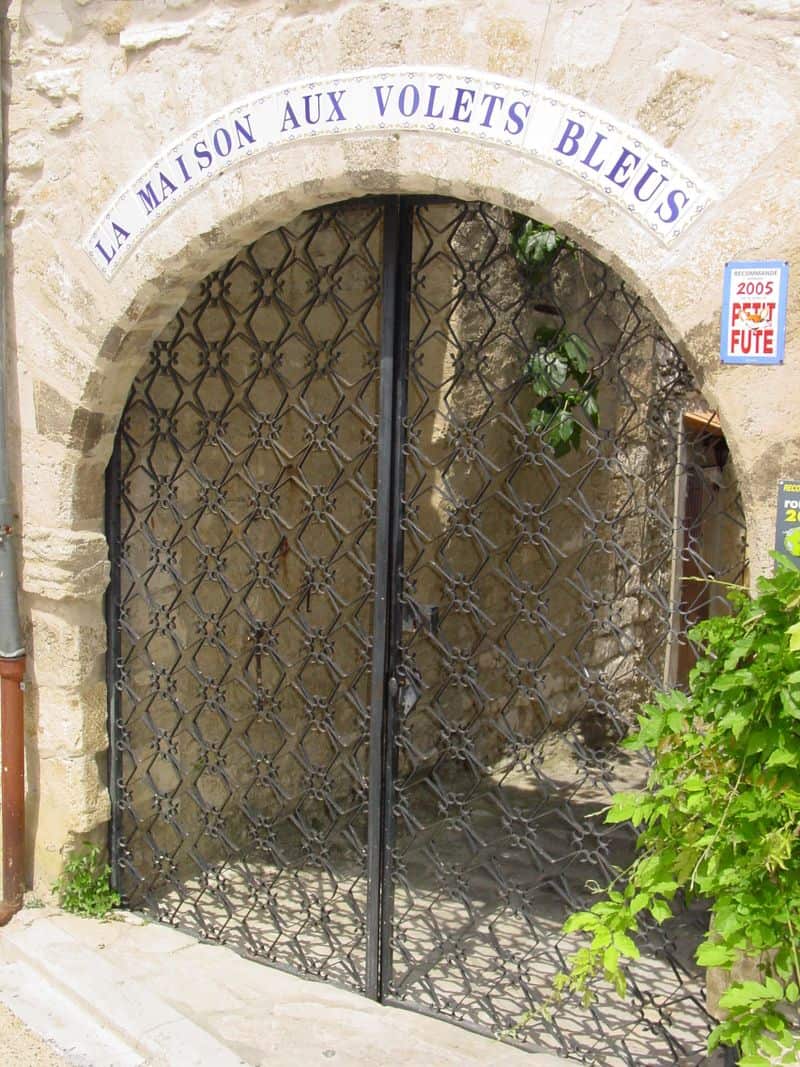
58	418
64	564
136	38
65	649
68	800
67	723
57	83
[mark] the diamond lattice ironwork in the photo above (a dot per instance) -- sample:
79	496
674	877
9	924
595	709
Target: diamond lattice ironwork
246	556
519	604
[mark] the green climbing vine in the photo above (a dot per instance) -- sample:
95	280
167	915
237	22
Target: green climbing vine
559	373
719	820
537	246
559	365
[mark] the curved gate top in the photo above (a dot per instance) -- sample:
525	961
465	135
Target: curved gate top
404	531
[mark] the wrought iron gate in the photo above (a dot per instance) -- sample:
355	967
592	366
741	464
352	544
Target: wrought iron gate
375	636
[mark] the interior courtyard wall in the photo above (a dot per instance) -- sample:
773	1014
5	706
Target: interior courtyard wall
96	90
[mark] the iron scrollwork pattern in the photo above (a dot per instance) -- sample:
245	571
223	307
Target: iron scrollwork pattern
537	600
557	586
246	581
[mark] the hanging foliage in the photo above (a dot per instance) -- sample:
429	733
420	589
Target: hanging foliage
559	373
559	368
719	820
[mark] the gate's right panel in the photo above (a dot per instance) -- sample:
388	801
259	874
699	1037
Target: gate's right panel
543	571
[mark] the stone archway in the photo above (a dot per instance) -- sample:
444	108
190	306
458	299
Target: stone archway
86	116
64	566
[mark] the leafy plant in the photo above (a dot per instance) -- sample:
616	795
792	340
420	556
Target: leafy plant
559	373
84	887
720	820
558	369
536	246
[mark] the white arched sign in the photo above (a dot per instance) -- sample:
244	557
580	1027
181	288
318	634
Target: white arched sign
618	161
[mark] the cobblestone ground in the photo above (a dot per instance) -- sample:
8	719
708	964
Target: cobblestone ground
22	1048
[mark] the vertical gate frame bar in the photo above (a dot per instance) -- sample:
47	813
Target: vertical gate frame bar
380	636
388	557
113	521
402	328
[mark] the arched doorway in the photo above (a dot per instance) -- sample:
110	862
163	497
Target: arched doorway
402	530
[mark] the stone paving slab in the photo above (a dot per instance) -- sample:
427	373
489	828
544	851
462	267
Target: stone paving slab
53	1021
145	995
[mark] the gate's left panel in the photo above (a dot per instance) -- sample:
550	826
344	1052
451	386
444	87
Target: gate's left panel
244	547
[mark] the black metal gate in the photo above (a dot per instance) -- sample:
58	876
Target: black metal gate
376	630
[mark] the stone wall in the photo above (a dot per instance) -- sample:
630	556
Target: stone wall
95	90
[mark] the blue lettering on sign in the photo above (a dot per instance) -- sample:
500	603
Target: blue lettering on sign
491	111
310	110
202	155
408	100
383	101
620	172
182	167
589	159
673	206
517	115
615	159
222	141
152	193
119	237
289	116
620	166
642	184
493	101
429	112
572	134
462	108
244	134
148	197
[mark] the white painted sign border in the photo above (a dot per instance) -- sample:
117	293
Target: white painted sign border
615	159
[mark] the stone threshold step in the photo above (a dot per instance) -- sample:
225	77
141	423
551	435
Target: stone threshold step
129	993
111	1011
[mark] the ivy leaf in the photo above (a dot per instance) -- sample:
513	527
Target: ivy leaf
611	959
577	353
750	994
625	945
781	757
624	807
713	954
639	901
735	680
794	637
661	911
580	920
735	721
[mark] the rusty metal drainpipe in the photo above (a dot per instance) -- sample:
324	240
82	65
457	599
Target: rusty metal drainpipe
12	651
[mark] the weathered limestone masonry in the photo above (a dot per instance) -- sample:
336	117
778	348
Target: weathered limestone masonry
97	89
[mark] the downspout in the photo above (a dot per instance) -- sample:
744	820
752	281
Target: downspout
12	651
